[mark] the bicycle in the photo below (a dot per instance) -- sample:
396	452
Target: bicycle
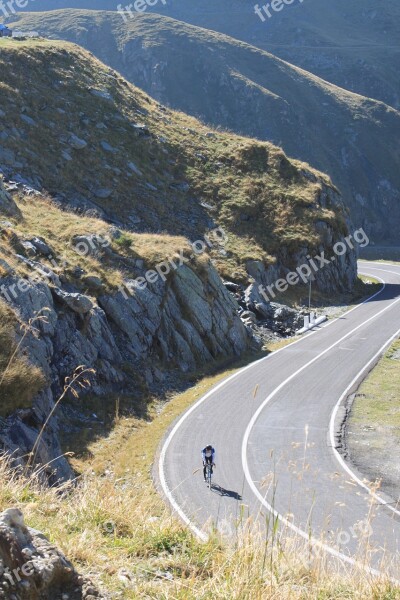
208	474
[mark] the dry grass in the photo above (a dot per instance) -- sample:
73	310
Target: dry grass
19	380
42	218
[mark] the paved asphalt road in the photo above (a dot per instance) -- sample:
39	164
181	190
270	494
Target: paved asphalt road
276	448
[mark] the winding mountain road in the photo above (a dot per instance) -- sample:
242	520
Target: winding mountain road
274	425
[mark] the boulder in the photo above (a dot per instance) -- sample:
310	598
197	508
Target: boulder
32	568
94	282
28	120
135	169
103	193
77	302
7	204
248	315
141	130
107	147
76	142
134	219
114	232
6	267
41	247
102	94
29	248
42	272
66	156
252	296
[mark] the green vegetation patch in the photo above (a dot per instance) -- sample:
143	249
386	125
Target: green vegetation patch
378	399
373	429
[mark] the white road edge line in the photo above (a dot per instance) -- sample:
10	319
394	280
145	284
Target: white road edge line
337	455
246	469
161	471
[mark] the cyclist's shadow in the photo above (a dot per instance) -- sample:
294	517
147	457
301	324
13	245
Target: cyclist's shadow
223	492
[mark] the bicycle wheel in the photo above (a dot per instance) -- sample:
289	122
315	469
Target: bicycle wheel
209	476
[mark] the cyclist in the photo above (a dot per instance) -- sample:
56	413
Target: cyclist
208	456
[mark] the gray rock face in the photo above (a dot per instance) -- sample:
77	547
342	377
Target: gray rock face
337	275
77	302
178	324
41	246
7	204
31	568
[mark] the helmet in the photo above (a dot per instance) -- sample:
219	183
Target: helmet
209	447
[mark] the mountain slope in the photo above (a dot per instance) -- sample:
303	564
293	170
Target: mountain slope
352	44
355	45
80	131
234	85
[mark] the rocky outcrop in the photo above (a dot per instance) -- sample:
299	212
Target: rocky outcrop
7	204
31	568
179	324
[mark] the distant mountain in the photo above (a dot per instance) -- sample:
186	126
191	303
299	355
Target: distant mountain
237	86
354	44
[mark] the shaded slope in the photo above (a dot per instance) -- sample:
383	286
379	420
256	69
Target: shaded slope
234	85
352	44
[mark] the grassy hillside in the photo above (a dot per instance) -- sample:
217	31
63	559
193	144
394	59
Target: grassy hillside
352	44
147	167
236	86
